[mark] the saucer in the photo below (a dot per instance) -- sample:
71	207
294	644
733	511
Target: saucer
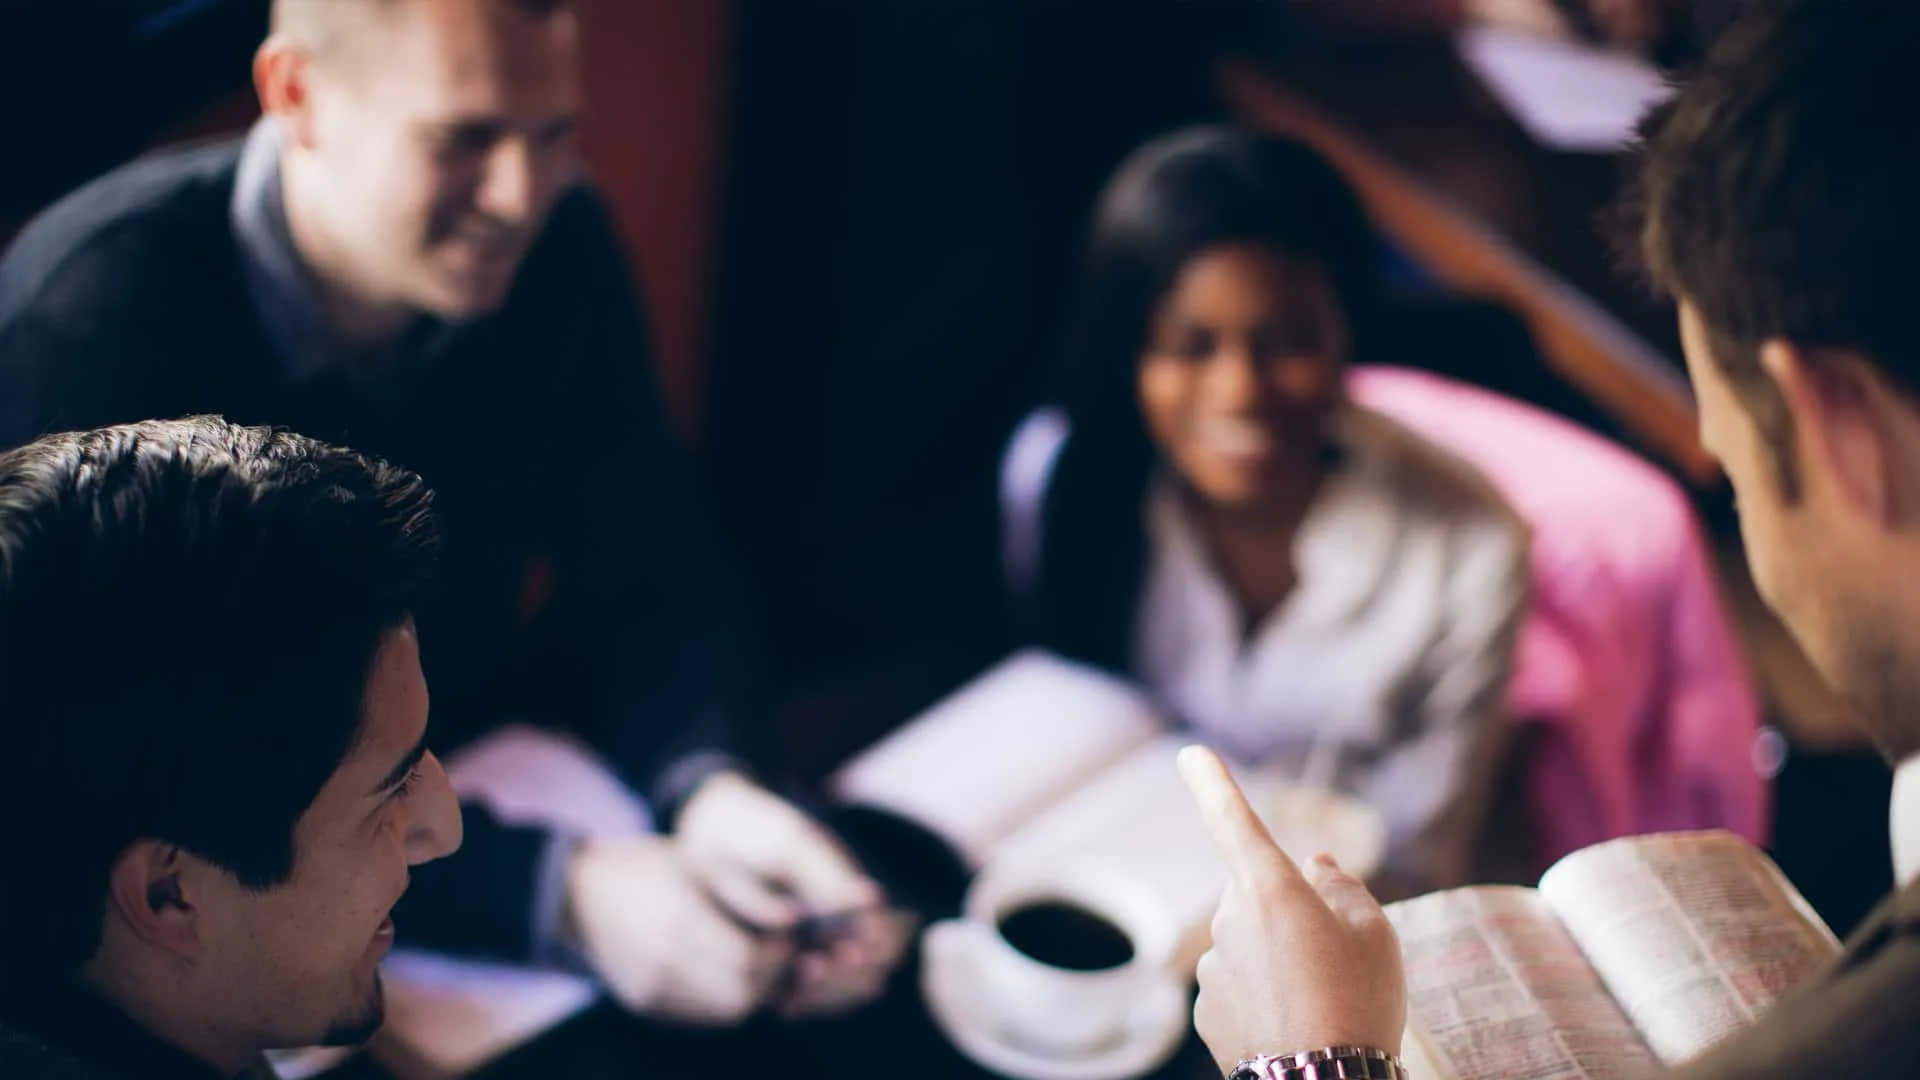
950	980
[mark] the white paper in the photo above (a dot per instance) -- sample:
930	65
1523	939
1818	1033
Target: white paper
985	760
1568	96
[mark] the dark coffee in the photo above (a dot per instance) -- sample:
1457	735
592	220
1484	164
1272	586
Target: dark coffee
1066	936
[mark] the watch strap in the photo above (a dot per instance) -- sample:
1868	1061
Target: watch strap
1329	1063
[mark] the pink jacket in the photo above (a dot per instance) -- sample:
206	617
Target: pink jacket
1626	662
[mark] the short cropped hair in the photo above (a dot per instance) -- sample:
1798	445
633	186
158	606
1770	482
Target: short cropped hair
189	612
1776	192
322	24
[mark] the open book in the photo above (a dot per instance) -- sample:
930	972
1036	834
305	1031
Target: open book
1630	954
1041	768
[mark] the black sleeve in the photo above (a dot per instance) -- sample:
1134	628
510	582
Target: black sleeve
91	348
651	593
88	338
482	900
56	376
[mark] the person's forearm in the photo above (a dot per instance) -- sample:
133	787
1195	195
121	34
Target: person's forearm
483	900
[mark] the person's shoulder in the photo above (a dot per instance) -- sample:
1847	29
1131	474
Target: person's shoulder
1429	481
25	1058
1903	908
581	213
138	229
580	225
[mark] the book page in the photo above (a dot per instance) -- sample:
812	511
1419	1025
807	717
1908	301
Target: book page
1696	934
999	750
1497	990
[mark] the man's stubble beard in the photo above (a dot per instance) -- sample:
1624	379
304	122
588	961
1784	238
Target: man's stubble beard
357	1028
1882	686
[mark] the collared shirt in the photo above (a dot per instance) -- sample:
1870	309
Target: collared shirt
1383	673
280	284
277	281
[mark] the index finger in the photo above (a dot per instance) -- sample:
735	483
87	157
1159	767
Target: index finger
1237	831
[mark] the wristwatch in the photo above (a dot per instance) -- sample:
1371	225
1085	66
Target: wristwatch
1332	1063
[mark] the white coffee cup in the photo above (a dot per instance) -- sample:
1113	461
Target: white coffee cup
1057	1010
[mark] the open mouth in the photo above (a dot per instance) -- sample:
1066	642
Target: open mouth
1240	442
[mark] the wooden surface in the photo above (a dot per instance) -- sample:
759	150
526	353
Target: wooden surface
1466	194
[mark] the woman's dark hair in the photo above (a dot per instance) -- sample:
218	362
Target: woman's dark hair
189	612
1171	200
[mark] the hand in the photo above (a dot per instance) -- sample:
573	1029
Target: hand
662	947
772	866
851	969
1298	962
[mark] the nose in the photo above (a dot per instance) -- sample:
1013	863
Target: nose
509	186
433	827
1233	377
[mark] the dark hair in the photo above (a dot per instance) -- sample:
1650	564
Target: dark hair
1171	200
189	610
1775	192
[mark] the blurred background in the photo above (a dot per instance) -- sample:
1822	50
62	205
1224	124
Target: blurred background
856	224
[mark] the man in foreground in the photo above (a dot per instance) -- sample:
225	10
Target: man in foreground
1778	206
216	774
402	253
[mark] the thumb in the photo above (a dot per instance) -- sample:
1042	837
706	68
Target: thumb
748	898
1347	896
823	876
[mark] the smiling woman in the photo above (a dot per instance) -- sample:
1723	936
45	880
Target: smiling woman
1299	578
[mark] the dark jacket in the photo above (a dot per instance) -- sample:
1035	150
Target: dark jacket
67	1033
581	588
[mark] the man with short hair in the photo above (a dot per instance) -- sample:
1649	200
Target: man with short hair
1777	203
216	774
400	256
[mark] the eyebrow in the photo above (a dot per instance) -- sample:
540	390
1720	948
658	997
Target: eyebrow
400	771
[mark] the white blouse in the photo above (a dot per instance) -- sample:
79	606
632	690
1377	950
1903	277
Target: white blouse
1383	673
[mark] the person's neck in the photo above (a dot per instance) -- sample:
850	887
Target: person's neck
169	1015
351	313
1253	546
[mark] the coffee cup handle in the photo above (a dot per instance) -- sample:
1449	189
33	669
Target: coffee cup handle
957	938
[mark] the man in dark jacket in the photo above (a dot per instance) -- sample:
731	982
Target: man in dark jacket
216	777
403	254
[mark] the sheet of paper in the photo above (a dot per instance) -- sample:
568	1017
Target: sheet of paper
1497	990
1001	749
1567	95
1696	934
